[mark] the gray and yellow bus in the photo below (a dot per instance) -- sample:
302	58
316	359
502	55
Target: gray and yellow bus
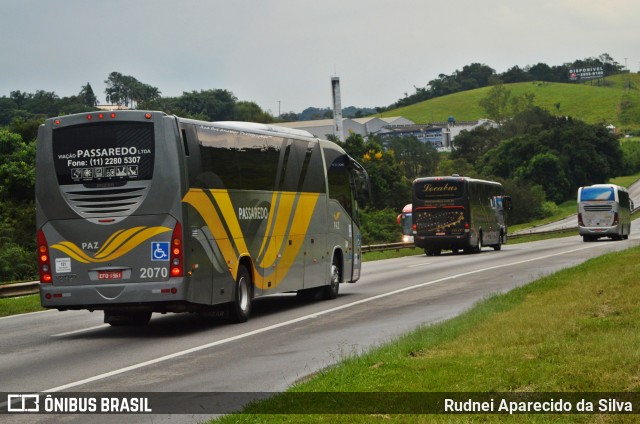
141	212
454	212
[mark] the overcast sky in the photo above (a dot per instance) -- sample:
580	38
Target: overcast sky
282	54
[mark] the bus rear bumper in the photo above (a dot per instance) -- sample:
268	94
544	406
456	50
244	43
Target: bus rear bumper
166	296
599	231
442	242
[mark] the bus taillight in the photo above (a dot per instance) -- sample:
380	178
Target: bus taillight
615	218
44	262
580	222
176	265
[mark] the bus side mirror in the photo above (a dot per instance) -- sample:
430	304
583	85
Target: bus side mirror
507	204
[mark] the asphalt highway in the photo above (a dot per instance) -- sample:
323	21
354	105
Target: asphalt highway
285	341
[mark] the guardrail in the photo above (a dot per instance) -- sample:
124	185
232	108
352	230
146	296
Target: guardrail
18	289
387	246
31	287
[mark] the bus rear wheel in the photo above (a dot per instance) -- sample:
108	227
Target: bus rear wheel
331	291
241	305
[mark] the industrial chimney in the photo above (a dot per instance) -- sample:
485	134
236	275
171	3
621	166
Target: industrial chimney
337	108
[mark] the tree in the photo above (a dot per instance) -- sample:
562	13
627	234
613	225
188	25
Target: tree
289	117
7	110
515	74
216	105
17	168
125	89
87	97
389	187
250	112
415	157
450	166
471	145
547	170
475	75
559	154
496	101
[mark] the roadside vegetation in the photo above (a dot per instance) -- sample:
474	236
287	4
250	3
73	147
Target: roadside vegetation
20	305
573	331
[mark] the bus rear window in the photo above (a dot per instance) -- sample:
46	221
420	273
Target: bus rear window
103	153
596	193
434	189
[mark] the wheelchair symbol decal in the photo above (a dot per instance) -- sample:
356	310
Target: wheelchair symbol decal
159	250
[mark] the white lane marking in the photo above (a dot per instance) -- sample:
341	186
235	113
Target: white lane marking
25	314
82	330
294	321
424	264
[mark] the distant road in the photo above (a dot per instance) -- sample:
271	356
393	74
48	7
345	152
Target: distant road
572	220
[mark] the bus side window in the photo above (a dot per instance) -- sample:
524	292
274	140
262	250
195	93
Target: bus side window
192	152
338	178
624	199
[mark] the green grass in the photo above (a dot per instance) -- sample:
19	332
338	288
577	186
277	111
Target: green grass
390	254
613	103
564	210
20	305
573	331
626	180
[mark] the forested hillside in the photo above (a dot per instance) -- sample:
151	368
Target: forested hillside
614	100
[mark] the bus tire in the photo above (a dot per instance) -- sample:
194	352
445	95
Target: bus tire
331	291
479	244
241	305
498	246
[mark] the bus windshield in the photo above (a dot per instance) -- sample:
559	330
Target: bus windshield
597	193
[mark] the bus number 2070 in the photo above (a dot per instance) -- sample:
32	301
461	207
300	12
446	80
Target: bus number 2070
157	272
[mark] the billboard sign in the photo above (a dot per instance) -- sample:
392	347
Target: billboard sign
581	74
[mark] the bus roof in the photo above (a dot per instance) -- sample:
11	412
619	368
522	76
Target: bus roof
607	185
454	177
253	126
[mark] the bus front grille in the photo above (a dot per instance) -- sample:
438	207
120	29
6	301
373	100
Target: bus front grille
597	208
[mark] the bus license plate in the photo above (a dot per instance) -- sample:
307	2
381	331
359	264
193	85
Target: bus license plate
109	275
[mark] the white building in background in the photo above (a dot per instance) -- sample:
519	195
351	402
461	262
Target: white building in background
440	134
322	128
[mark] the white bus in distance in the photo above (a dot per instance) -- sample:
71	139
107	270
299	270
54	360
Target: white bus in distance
604	210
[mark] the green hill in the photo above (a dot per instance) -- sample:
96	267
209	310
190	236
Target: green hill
615	102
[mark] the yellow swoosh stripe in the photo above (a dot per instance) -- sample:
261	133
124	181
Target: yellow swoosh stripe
301	221
116	241
283	216
119	244
201	203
